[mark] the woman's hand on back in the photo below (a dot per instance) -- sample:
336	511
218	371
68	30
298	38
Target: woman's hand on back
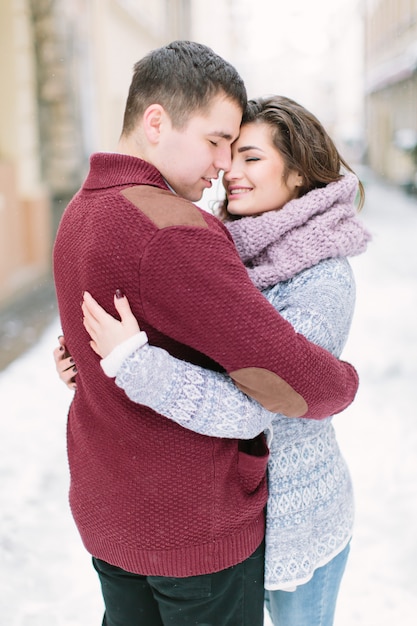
107	332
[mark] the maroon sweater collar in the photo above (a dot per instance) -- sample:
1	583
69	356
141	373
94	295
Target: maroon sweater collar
109	169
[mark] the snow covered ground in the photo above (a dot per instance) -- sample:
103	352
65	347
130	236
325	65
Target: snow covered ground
45	575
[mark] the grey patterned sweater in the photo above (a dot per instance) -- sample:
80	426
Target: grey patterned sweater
310	506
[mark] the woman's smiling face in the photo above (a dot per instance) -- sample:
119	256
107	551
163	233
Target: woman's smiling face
255	182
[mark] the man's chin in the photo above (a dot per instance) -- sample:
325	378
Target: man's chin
193	195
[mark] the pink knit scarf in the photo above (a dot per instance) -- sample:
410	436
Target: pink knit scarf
323	224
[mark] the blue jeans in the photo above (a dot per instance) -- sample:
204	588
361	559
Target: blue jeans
313	603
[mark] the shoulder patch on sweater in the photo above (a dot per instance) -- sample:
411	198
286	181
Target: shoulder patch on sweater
164	208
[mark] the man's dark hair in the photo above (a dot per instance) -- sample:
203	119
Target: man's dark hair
182	77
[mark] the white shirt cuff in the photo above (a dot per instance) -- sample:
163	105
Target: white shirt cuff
113	361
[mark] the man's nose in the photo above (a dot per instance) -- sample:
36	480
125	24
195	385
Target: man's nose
223	159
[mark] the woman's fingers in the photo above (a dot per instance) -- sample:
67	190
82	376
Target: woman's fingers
127	318
58	354
107	332
65	365
88	322
91	309
93	315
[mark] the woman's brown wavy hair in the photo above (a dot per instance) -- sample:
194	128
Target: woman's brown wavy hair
301	140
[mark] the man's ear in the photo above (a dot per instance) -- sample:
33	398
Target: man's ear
154	118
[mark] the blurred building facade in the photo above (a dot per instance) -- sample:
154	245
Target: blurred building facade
65	69
66	66
391	89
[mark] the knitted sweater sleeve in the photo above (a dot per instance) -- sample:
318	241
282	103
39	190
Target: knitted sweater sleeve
190	296
199	399
319	303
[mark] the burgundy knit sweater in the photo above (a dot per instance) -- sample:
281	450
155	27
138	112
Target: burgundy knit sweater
146	494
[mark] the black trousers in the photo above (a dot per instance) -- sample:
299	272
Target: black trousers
232	597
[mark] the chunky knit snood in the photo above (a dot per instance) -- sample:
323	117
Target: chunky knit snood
323	224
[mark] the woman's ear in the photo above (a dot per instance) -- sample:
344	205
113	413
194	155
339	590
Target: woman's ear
299	180
295	180
153	120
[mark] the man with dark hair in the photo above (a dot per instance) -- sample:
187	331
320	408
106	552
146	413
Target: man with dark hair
175	520
182	79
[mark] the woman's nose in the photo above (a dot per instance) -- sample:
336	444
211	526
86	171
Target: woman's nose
232	173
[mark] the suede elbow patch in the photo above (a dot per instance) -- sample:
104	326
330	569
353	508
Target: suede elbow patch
271	391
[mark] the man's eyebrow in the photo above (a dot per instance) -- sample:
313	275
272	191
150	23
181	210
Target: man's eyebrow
246	148
221	134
